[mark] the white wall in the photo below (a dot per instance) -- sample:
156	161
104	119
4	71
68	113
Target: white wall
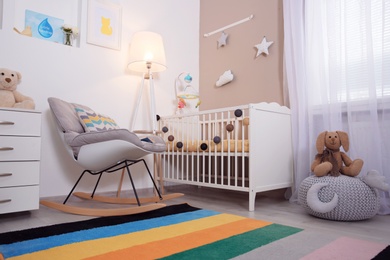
96	76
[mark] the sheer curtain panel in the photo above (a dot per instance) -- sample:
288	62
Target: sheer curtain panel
337	77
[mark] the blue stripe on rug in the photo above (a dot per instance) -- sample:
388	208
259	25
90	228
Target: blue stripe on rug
34	245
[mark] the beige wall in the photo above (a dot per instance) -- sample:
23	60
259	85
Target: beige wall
255	79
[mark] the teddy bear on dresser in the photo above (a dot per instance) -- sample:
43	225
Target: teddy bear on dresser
9	96
331	160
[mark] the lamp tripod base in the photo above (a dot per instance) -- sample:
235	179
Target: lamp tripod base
148	76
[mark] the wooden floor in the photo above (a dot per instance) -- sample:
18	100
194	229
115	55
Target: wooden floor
270	206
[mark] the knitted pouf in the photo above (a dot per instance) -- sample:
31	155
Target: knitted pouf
356	200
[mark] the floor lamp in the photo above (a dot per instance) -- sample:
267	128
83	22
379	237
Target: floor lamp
147	55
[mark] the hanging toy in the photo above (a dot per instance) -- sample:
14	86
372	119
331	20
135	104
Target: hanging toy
198	104
188	78
185	93
181	104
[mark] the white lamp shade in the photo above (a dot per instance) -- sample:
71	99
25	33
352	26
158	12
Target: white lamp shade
147	47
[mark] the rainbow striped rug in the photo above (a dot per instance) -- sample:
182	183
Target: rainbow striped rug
173	232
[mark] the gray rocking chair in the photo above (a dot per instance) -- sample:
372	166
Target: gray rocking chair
104	151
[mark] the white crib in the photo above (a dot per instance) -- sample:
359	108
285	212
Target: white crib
245	148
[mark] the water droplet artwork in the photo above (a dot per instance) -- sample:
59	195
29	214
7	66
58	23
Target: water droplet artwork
45	29
44	26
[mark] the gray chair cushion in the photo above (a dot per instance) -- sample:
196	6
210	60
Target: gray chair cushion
76	137
76	140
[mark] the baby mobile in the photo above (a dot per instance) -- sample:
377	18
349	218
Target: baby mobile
185	94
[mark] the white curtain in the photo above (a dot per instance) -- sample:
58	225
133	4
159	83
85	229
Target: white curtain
337	77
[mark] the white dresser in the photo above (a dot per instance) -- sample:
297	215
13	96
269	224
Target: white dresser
20	153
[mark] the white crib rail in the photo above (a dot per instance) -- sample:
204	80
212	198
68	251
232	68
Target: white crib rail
224	165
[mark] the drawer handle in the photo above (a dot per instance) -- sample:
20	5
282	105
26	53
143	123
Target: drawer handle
5	174
5	201
6	123
6	148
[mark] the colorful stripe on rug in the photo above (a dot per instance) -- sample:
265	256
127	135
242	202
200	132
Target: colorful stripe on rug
182	232
173	232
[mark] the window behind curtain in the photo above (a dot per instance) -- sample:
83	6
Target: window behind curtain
358	38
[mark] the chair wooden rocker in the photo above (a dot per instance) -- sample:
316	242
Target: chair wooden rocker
99	149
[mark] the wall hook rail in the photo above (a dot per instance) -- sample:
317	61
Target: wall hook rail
229	26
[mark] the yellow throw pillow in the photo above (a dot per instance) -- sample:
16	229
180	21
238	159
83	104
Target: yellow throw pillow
94	122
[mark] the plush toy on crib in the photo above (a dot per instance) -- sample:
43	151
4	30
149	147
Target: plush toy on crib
331	160
9	96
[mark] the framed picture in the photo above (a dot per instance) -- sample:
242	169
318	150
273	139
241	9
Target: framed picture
43	26
104	24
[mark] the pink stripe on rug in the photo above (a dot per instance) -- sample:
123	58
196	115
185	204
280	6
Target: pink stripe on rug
346	248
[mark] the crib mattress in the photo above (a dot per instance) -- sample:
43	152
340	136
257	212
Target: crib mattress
224	146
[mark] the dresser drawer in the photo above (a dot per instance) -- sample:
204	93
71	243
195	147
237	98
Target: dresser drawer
19	173
20	123
18	148
19	199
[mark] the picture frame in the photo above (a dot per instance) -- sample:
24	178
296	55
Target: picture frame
104	24
43	26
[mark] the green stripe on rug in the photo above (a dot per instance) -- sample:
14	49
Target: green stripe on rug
239	244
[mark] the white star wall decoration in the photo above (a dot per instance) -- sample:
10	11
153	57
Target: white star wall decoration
263	47
222	40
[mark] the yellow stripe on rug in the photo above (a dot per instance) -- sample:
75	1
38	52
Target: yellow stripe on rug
101	246
169	246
